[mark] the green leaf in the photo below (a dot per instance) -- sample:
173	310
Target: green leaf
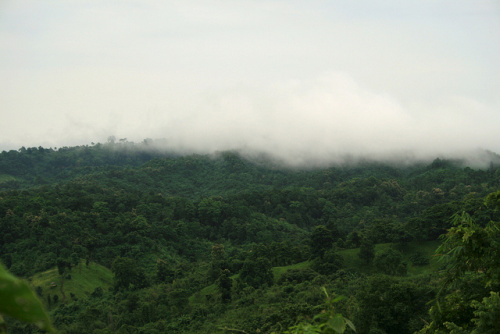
3	326
350	324
18	301
337	323
339	298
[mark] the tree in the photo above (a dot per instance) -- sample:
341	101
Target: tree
367	250
487	314
321	241
327	321
224	284
468	301
210	211
390	262
163	272
257	272
354	239
127	274
329	263
390	305
62	265
218	263
468	247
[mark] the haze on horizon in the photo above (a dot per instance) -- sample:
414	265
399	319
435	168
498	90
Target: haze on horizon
301	81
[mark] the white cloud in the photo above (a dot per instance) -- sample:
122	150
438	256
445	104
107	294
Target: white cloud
300	80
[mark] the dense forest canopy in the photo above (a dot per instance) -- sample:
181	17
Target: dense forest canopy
126	238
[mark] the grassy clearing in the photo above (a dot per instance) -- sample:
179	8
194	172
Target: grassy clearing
6	178
278	271
84	280
352	261
200	296
427	249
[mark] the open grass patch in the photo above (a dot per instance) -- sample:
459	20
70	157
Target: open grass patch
80	282
278	271
353	263
6	178
411	251
423	250
201	296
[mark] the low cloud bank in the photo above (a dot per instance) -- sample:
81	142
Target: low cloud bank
319	121
329	120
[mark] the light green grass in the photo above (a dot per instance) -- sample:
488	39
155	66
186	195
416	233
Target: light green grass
6	178
278	271
83	281
200	296
427	249
352	261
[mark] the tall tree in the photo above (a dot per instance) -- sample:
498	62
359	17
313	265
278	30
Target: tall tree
257	272
321	241
127	274
468	301
224	284
367	250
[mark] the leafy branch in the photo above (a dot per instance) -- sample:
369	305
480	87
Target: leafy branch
18	301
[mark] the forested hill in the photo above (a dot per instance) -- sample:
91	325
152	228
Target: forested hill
196	243
195	175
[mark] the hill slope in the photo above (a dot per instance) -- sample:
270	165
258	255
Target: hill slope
79	283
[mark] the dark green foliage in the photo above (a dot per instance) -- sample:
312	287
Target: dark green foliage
390	305
210	212
98	292
39	291
282	253
391	262
192	240
367	250
224	284
163	272
418	259
128	274
329	263
354	239
297	276
218	264
62	266
468	299
321	241
327	321
487	314
257	272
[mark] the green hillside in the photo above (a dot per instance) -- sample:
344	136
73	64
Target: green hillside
80	282
6	178
423	249
196	244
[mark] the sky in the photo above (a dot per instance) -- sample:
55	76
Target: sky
304	81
